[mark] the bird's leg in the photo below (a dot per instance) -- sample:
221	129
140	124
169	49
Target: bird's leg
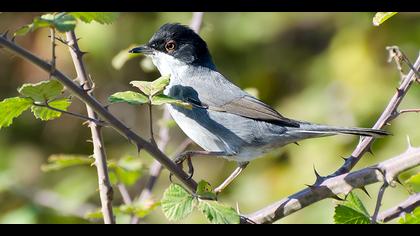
232	176
179	160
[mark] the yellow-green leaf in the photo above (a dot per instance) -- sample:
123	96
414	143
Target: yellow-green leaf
161	99
204	190
58	162
411	218
11	108
352	211
218	213
129	97
413	183
45	114
100	17
177	203
381	17
42	91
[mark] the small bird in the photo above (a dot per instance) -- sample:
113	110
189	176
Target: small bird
225	120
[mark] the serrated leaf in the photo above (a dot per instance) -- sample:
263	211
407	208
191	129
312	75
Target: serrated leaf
100	17
128	170
11	108
144	86
381	17
63	22
411	218
161	99
59	162
123	56
45	114
413	183
204	190
42	91
177	203
218	213
129	97
159	85
352	211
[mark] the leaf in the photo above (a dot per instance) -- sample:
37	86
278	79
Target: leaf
60	21
129	97
411	218
218	213
128	170
413	183
164	99
45	114
204	190
177	203
11	108
63	22
122	57
140	209
154	87
59	162
381	17
42	91
352	211
100	17
94	215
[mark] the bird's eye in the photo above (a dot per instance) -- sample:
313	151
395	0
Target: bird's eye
170	46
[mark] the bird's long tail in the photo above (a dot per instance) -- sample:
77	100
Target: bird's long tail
313	130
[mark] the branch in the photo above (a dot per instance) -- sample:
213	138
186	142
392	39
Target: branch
307	197
405	207
102	111
386	171
99	153
378	202
388	114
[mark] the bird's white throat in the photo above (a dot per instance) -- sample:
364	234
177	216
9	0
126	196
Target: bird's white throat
169	65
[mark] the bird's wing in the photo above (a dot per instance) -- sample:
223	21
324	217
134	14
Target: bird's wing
223	96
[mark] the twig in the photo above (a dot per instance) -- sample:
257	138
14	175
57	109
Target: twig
386	171
407	206
53	57
102	111
196	21
82	117
378	202
152	137
99	153
307	196
124	194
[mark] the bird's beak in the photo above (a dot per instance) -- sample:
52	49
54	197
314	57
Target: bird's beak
142	49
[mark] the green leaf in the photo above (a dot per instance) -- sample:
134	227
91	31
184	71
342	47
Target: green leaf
63	22
94	215
218	213
381	17
11	108
128	170
100	17
413	183
159	84
42	91
352	211
204	190
154	87
161	99
411	218
177	203
139	209
58	162
123	56
60	21
45	114
129	97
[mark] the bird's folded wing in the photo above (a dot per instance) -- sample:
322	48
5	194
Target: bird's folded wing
253	108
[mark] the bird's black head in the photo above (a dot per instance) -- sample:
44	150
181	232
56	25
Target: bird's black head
180	42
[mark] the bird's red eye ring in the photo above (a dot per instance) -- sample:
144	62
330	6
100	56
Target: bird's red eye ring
170	46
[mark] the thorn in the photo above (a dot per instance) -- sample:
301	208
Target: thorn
237	208
338	198
363	188
4	35
138	148
89	141
297	143
399	91
344	158
319	178
387	123
13	38
398	180
409	142
312	187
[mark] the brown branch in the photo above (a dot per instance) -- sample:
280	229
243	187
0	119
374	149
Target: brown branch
102	111
308	196
407	206
386	171
99	153
381	193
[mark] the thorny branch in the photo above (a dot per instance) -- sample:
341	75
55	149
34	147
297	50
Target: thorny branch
407	206
99	153
322	189
101	110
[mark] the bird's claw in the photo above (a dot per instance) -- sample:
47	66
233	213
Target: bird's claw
179	160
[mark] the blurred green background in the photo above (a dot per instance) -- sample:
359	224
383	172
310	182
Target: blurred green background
322	67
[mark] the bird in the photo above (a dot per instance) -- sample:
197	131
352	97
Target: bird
225	121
